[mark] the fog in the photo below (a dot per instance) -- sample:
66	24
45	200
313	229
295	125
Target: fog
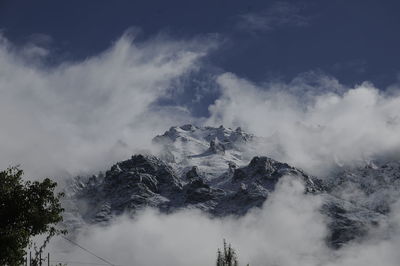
79	117
287	231
314	126
82	116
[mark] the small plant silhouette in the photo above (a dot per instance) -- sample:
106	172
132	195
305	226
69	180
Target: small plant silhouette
227	257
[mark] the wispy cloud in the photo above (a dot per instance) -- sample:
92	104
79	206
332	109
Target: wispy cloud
357	66
77	116
313	122
288	230
279	14
87	114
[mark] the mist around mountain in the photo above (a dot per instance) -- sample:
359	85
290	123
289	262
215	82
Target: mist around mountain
302	172
215	176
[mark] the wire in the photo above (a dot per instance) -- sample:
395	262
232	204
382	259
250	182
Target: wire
88	251
78	262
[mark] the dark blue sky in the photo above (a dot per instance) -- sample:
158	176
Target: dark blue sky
353	40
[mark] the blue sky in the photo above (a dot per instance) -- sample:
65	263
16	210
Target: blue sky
352	40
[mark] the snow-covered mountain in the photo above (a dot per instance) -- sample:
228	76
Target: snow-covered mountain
210	149
218	171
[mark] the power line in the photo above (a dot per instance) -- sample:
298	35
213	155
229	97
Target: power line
79	262
88	251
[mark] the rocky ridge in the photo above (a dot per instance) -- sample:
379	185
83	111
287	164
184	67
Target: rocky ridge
210	169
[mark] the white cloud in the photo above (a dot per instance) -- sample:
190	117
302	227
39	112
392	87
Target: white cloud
80	116
288	230
309	125
381	248
83	116
279	14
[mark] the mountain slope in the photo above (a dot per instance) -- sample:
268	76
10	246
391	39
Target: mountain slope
216	170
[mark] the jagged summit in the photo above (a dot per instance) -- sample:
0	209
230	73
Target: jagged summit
211	149
189	132
147	181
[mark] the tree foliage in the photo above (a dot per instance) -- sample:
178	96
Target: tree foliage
27	209
227	257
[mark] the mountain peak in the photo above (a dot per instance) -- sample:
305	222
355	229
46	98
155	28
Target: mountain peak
207	133
211	149
212	169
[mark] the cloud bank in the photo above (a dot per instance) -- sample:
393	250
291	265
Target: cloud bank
313	122
288	230
78	116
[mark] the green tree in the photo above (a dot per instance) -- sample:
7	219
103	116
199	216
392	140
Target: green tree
27	209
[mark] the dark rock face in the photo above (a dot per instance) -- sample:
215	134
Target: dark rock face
266	171
217	147
146	181
131	185
348	221
148	170
197	191
359	199
193	173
